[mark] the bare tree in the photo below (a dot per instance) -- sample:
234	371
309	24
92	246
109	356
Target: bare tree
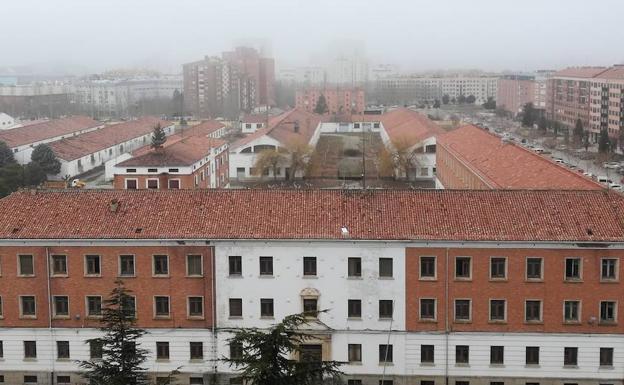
269	160
401	155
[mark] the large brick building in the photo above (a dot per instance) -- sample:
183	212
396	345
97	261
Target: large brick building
607	102
473	158
339	100
422	287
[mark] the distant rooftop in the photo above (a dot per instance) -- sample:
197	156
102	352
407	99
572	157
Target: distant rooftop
40	131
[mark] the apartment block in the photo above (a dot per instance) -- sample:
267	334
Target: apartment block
607	102
512	286
338	100
515	91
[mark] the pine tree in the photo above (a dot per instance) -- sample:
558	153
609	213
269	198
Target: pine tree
436	103
265	357
46	158
604	143
321	105
577	133
446	99
158	137
122	356
528	115
6	155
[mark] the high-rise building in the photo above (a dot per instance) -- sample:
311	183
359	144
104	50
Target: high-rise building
238	81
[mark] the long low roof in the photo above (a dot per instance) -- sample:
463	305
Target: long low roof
447	215
45	130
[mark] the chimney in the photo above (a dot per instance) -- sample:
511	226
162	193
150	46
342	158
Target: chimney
114	205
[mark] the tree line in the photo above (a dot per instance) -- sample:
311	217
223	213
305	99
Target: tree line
43	162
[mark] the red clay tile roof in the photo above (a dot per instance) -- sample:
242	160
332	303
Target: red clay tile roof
182	152
410	126
579	72
507	166
613	73
46	130
454	215
85	144
204	128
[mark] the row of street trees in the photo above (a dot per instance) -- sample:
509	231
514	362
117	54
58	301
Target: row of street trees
14	175
267	357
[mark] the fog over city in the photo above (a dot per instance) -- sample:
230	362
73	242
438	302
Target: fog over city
90	36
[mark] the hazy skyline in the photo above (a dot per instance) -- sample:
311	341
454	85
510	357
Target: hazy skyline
97	35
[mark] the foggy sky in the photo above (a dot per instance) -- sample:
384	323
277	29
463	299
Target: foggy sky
95	35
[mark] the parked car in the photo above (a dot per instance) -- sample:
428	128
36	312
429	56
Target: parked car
615	186
604	179
611	165
539	150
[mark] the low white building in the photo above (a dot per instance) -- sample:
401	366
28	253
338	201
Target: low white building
85	152
6	122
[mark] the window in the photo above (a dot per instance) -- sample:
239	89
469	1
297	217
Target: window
354	308
26	265
498	268
59	265
354	266
427	267
534	268
236	307
92	265
572	269
152	184
427	354
161	265
63	379
609	269
126	265
385	308
194	266
497	355
1	350
462	267
427	382
427	309
497	309
162	350
196	381
236	350
570	356
354	382
28	306
266	307
571	311
385	353
385	267
355	353
62	349
309	266
235	265
195	306
94	306
386	382
129	306
266	265
532	355
607	312
61	306
310	306
533	311
197	350
462	310
606	356
462	354
30	349
95	349
30	379
161	306
1	313
174	184
131	184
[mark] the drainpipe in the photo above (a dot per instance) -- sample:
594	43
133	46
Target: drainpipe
446	318
49	295
215	341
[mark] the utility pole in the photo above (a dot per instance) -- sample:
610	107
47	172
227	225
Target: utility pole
363	158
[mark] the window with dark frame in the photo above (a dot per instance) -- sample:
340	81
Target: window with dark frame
385	308
462	267
498	268
462	354
533	311
573	268
309	266
354	267
427	354
161	265
354	308
235	265
236	350
95	349
266	265
355	352
385	353
152	184
571	311
26	265
129	306
126	265
194	265
61	306
28	306
94	306
131	184
606	356
59	265
63	379
607	311
30	349
427	308
497	310
62	350
427	267
385	267
532	355
266	307
162	350
30	379
497	355
310	306
93	265
462	309
534	268
196	306
196	350
161	306
570	356
608	269
236	307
